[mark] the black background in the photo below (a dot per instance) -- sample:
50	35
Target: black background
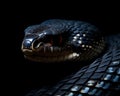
26	75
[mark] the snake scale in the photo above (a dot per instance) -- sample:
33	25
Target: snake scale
57	40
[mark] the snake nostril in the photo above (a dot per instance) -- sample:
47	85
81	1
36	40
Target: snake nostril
36	44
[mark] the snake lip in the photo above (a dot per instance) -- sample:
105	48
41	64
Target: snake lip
66	57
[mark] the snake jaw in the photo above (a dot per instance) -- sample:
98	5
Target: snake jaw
52	59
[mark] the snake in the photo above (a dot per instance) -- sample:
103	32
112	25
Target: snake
58	40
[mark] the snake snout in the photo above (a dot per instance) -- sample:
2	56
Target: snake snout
31	44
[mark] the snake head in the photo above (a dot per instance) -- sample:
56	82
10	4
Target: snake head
61	40
45	45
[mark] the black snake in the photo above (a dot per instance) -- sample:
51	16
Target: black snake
58	40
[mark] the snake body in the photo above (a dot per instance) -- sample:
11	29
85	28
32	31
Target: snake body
58	40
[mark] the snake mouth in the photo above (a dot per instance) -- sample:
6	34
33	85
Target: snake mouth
45	52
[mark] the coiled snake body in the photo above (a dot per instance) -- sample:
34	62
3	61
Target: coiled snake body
69	40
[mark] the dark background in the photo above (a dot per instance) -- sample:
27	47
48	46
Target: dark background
26	75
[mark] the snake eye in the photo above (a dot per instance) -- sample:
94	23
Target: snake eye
54	40
57	40
60	39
